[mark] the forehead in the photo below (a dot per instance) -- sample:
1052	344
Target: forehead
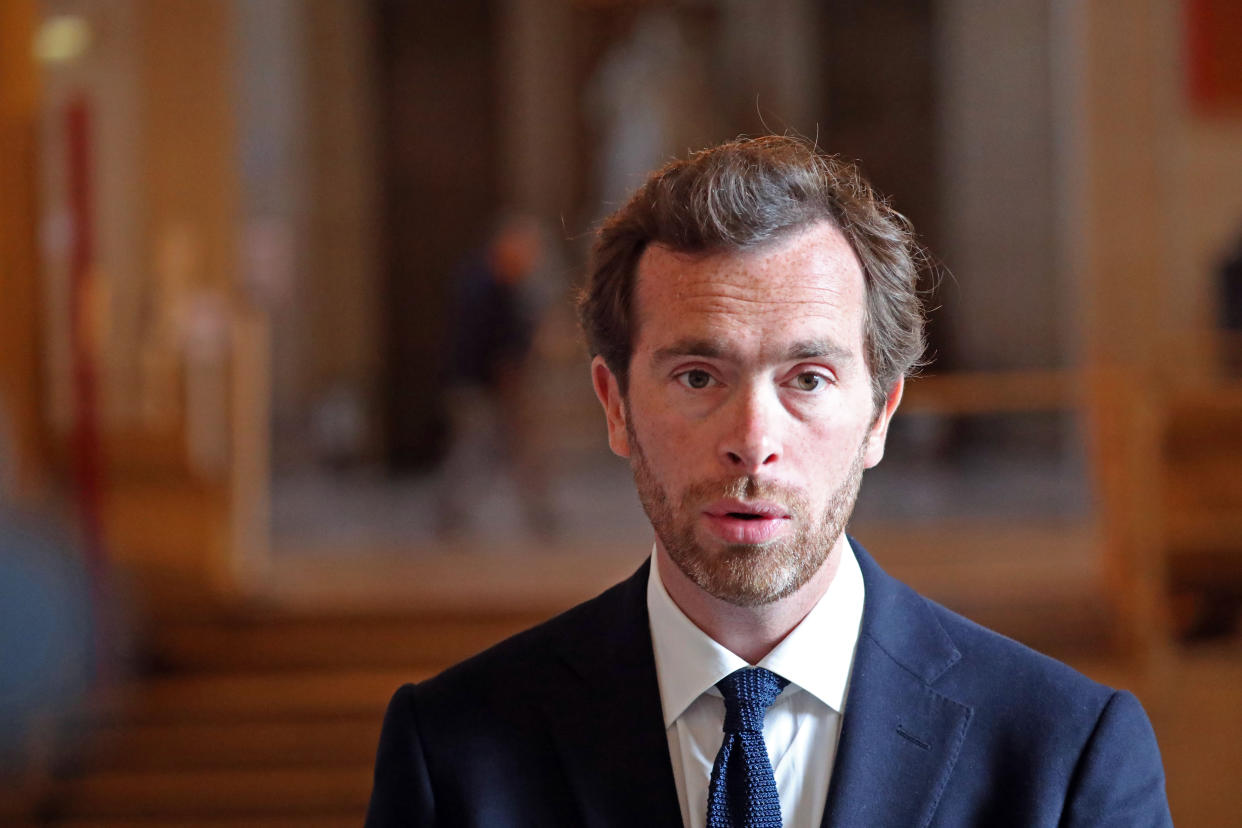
809	282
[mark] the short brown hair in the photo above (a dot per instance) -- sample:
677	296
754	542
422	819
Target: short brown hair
740	195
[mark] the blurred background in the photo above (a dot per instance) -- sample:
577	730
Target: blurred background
293	407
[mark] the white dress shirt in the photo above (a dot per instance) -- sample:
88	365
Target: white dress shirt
802	726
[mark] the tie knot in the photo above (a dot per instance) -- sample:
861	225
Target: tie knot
748	693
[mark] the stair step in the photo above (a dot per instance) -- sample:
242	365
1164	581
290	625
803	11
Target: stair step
236	745
242	697
283	792
343	820
295	642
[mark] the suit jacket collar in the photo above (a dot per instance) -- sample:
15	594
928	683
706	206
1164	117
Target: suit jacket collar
605	717
900	736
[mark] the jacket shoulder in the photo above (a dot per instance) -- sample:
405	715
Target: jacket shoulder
993	664
976	665
613	622
1095	752
477	742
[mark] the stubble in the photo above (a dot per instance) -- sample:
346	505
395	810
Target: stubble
745	575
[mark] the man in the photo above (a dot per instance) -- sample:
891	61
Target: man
752	314
490	334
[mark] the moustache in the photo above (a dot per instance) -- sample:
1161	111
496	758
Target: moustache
745	487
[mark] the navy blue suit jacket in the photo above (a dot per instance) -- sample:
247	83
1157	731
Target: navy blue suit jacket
946	724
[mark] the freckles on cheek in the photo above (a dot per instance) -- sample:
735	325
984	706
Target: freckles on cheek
664	435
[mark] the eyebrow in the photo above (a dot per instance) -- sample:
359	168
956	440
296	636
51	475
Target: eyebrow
710	348
717	348
818	348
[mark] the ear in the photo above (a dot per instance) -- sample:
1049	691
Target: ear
879	429
609	393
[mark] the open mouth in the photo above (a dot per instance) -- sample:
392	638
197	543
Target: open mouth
742	526
749	522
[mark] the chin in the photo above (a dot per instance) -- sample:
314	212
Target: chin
749	575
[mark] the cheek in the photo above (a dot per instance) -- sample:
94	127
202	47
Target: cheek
655	423
827	456
666	447
670	450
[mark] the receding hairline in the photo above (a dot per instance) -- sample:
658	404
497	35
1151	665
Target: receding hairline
786	235
775	238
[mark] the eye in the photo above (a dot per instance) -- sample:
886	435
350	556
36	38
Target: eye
809	381
696	379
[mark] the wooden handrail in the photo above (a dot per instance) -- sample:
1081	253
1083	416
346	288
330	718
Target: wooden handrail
985	392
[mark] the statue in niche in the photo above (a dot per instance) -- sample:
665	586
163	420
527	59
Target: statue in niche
649	100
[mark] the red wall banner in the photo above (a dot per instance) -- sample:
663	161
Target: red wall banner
1214	56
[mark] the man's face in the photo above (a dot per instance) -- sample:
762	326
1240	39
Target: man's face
749	415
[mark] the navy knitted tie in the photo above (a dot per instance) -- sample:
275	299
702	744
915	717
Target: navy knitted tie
743	787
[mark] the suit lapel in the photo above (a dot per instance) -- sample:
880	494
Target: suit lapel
900	737
606	720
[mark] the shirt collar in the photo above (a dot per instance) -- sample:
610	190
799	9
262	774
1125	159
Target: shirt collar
816	656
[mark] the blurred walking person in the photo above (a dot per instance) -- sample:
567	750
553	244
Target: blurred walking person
491	328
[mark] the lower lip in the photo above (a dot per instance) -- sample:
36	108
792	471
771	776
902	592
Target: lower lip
739	530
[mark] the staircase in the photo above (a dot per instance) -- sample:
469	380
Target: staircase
254	718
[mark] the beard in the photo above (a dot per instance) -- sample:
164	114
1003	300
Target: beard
745	574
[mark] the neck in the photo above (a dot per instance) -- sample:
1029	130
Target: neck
750	632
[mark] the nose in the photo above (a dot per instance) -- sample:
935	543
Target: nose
751	437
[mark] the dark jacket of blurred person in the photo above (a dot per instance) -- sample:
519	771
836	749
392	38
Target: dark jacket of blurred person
492	318
487	358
